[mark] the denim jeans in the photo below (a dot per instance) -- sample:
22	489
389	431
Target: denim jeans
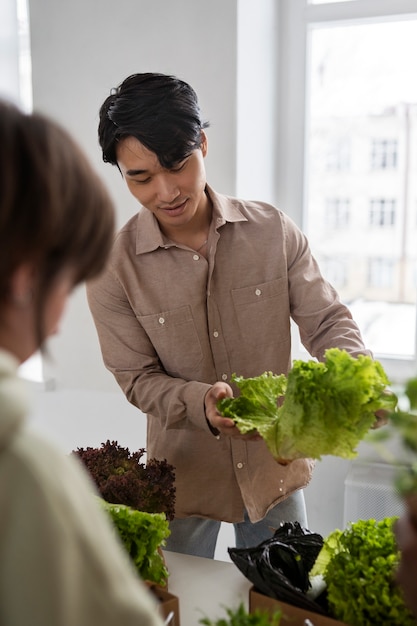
198	536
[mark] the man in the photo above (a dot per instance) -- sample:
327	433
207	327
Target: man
200	286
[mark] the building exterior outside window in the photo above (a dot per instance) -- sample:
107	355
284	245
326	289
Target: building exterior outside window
360	161
382	212
384	154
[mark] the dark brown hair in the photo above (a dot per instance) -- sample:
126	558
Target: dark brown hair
54	210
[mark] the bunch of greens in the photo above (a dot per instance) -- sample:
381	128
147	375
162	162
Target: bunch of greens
358	565
142	534
122	478
326	407
241	617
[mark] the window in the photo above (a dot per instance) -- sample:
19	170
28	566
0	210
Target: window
384	154
337	212
382	212
15	61
380	273
16	85
348	129
338	155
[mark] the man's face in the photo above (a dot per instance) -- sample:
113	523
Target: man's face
174	195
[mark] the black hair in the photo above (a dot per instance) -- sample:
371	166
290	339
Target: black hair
159	110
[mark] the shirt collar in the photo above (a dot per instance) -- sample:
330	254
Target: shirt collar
225	208
149	236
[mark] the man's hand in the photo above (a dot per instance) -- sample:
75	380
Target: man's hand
220	425
381	418
382	415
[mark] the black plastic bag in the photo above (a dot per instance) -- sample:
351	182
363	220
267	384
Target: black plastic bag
279	567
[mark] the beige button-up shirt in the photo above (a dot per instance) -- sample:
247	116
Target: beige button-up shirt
171	323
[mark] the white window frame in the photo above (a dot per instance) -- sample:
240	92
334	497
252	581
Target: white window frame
16	86
296	20
15	60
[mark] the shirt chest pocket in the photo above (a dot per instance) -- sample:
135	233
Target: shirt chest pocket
262	310
174	337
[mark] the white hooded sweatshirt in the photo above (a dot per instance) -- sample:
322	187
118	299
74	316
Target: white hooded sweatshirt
60	560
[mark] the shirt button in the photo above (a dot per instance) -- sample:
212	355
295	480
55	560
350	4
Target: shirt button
215	334
239	465
195	257
224	377
258	292
161	320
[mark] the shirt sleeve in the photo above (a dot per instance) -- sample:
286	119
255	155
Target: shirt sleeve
129	354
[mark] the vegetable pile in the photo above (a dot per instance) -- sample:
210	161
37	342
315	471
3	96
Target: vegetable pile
326	407
142	535
122	478
139	498
351	574
358	566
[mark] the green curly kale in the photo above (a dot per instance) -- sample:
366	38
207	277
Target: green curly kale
327	407
358	565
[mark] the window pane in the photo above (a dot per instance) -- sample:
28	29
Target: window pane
361	205
25	61
15	65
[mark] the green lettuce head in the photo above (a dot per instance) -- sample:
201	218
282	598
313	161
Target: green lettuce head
327	408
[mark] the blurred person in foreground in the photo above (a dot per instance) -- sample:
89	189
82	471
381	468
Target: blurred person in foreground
200	286
60	561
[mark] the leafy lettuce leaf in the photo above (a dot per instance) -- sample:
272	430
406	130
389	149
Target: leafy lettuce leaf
142	535
320	408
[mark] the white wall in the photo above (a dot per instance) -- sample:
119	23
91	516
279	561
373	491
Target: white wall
80	50
257	97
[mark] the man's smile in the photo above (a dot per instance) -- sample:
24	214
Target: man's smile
177	209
